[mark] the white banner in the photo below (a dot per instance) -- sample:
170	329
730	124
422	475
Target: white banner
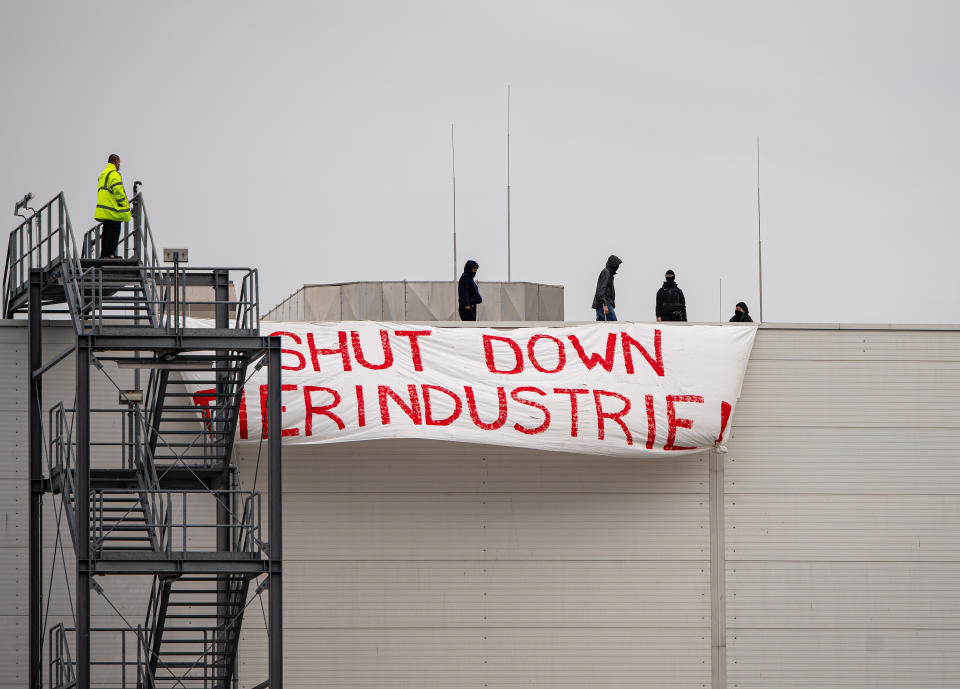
612	388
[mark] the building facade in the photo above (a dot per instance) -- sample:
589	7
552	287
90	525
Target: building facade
823	550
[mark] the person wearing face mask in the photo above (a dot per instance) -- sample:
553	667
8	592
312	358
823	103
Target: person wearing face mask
741	314
468	293
604	299
671	306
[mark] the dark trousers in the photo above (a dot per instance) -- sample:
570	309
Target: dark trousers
468	314
109	238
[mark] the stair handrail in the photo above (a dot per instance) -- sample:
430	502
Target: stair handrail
71	269
156	503
60	666
137	243
61	447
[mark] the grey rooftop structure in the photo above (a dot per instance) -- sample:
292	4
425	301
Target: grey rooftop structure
418	301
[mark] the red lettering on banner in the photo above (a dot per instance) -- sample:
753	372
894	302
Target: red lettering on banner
358	351
428	411
203	399
616	417
285	432
606	363
673	423
342	350
561	353
655	363
725	409
361	409
651	421
475	417
295	338
412	409
488	354
323	409
574	415
530	403
414	345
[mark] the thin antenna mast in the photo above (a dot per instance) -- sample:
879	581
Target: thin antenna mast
721	300
453	168
759	237
508	184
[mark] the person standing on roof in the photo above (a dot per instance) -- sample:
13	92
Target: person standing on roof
112	206
468	293
741	314
671	306
604	299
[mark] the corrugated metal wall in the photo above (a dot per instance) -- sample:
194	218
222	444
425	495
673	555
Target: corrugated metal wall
843	512
418	301
416	564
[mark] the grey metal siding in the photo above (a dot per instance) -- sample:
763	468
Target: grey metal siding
843	511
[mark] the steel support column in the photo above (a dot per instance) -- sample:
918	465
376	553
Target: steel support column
275	650
35	444
82	510
218	422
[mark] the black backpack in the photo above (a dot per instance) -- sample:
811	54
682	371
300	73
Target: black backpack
672	302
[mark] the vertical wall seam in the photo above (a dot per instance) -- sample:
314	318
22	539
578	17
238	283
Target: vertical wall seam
718	579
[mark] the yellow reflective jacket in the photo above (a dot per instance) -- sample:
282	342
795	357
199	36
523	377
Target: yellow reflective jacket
112	201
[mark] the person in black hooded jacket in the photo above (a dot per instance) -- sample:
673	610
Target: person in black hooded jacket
741	314
604	299
468	294
671	305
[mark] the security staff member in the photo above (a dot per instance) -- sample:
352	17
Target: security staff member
112	206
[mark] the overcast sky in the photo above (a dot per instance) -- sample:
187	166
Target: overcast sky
312	140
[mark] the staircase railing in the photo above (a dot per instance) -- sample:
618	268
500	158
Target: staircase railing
61	452
157	506
43	241
61	671
136	243
155	619
129	669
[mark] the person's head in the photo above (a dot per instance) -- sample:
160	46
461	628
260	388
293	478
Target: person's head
669	276
613	262
115	159
471	266
742	307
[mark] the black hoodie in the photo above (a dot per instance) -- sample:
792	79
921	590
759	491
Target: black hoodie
671	305
467	291
605	294
743	317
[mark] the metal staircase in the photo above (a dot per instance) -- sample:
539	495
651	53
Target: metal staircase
138	491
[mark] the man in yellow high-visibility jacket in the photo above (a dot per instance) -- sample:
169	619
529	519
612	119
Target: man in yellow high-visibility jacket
113	207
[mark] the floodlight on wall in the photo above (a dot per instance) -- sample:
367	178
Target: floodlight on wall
22	203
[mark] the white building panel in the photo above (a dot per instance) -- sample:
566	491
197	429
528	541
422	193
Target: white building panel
495	526
843	527
557	594
843	595
812	659
843	460
851	394
502	658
